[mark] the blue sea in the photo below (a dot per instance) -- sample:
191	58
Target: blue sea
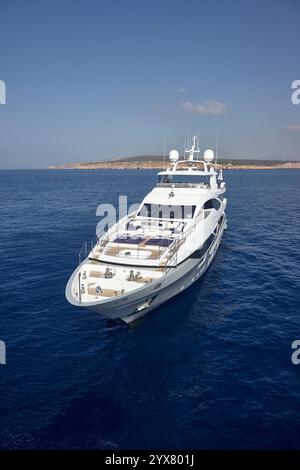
211	369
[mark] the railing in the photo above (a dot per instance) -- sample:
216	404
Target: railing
170	252
171	259
183	185
94	241
114	230
83	253
102	242
137	249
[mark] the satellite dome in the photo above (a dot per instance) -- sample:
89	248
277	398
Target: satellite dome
208	156
174	156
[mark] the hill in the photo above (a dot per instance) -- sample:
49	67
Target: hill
151	162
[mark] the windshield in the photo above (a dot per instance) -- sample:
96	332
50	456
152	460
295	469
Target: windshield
183	179
164	211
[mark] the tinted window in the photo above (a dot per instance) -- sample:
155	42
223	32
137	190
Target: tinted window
167	211
216	204
212	204
208	204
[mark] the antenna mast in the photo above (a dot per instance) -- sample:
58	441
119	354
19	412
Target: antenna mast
164	150
217	147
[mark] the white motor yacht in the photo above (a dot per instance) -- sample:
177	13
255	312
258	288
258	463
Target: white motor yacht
160	249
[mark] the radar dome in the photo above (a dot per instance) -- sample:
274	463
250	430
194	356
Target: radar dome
208	156
174	156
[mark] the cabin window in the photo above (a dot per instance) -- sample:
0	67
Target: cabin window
208	204
184	180
165	179
216	204
212	204
206	245
146	210
188	212
164	211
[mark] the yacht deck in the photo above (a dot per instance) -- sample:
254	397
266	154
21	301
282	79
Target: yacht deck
104	281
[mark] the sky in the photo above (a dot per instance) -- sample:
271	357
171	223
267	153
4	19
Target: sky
94	80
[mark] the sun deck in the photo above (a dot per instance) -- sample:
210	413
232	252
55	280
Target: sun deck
105	281
139	240
142	241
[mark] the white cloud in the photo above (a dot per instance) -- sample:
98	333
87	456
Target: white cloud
209	107
181	90
294	127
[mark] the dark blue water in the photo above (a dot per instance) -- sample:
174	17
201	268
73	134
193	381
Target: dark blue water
210	369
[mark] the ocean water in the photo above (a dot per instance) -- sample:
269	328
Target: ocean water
211	369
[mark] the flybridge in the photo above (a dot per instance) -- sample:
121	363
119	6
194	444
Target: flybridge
189	153
190	166
190	161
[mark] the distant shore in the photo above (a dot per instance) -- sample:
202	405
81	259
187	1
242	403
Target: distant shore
159	165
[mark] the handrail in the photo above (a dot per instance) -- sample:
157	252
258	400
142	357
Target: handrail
94	241
114	229
178	240
170	253
102	242
183	185
82	253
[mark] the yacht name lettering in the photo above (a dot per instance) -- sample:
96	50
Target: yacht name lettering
296	94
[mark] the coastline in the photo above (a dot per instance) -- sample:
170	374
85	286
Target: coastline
158	165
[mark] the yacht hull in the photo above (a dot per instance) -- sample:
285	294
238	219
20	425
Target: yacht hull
141	302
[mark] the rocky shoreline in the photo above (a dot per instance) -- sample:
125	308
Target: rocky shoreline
158	165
